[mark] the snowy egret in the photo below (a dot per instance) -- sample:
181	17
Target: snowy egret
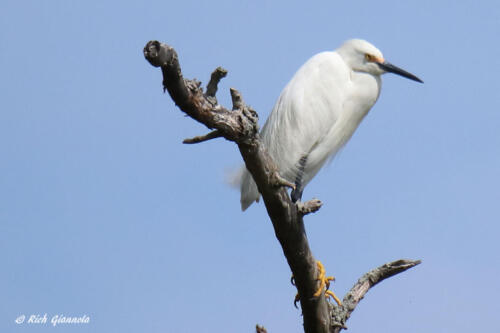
319	110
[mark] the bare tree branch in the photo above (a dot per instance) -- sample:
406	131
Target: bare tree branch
340	314
240	126
209	136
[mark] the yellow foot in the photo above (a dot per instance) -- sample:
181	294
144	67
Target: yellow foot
332	294
324	283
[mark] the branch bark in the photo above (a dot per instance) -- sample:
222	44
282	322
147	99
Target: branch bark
197	139
340	314
240	126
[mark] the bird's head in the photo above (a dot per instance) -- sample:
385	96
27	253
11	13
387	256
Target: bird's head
362	56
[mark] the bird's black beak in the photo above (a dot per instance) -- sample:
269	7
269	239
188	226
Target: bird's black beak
388	67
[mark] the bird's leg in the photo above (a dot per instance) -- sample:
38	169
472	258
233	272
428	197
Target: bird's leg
297	193
299	188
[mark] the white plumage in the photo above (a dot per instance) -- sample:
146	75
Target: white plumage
319	110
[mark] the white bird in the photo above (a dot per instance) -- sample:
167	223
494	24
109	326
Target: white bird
319	110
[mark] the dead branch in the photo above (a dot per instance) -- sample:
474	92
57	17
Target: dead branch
260	329
340	314
217	75
240	126
209	136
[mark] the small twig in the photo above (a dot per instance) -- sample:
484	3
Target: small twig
308	207
260	329
209	136
215	78
237	99
340	314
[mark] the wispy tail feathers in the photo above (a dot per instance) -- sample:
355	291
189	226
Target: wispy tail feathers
249	191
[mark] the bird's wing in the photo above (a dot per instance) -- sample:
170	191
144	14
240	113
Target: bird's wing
306	110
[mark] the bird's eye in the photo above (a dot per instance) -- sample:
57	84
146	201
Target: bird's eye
369	57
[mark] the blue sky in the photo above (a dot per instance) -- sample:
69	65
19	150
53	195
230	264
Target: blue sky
103	212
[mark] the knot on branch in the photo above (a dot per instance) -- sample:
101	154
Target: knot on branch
193	85
247	117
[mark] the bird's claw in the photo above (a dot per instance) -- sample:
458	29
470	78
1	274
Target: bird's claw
297	297
330	293
296	300
324	284
280	181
